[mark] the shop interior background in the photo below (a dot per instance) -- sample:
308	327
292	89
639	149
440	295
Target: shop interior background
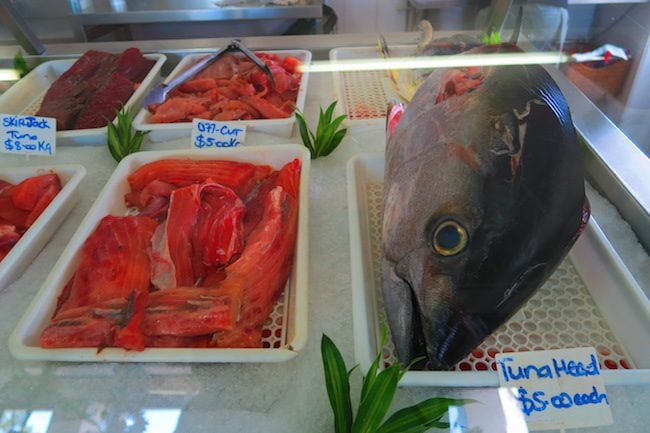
591	23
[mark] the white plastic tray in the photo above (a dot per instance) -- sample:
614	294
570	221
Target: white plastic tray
364	95
35	238
26	95
591	300
278	127
292	307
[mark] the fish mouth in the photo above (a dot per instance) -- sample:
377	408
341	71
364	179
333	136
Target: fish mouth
440	330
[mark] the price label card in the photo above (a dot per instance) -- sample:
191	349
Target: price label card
27	135
556	388
208	134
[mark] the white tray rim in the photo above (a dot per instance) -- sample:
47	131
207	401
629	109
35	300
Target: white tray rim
364	314
35	238
299	279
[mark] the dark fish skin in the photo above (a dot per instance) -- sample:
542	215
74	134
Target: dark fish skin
501	161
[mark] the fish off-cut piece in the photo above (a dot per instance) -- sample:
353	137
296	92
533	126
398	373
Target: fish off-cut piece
483	197
184	312
103	303
8	238
113	323
256	280
235	308
233	88
21	204
113	263
241	177
85	326
34	194
203	231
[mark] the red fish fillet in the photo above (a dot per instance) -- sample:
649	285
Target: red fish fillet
85	326
238	176
22	204
203	230
113	263
257	279
234	79
186	312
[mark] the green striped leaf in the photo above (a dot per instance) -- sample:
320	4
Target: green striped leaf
420	417
375	405
327	136
338	385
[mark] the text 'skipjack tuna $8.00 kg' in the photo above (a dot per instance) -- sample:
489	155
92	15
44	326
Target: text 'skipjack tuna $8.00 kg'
483	198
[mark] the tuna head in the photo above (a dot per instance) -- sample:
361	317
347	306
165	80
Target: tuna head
483	197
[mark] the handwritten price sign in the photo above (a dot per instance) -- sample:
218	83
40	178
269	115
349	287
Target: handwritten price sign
556	388
27	135
208	134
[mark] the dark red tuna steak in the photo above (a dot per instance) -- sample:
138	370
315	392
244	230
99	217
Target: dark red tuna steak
133	65
88	94
103	105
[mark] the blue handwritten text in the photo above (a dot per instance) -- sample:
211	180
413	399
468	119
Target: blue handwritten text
557	368
25	122
200	142
538	402
212	128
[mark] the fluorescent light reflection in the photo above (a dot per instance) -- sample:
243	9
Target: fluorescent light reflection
457	419
430	62
161	420
9	75
514	418
20	420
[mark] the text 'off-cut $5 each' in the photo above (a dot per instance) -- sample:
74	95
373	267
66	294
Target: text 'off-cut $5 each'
208	134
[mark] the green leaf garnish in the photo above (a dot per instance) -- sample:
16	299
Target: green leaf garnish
327	136
121	140
493	38
338	385
20	65
377	393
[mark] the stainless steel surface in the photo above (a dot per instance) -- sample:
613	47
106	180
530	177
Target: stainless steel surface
614	163
17	25
159	11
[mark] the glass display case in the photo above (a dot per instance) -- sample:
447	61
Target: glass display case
598	297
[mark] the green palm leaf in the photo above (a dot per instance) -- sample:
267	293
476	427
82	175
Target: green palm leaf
338	385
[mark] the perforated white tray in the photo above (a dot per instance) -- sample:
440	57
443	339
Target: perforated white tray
278	127
591	300
285	332
35	238
364	95
26	95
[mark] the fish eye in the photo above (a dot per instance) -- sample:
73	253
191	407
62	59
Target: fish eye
449	238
